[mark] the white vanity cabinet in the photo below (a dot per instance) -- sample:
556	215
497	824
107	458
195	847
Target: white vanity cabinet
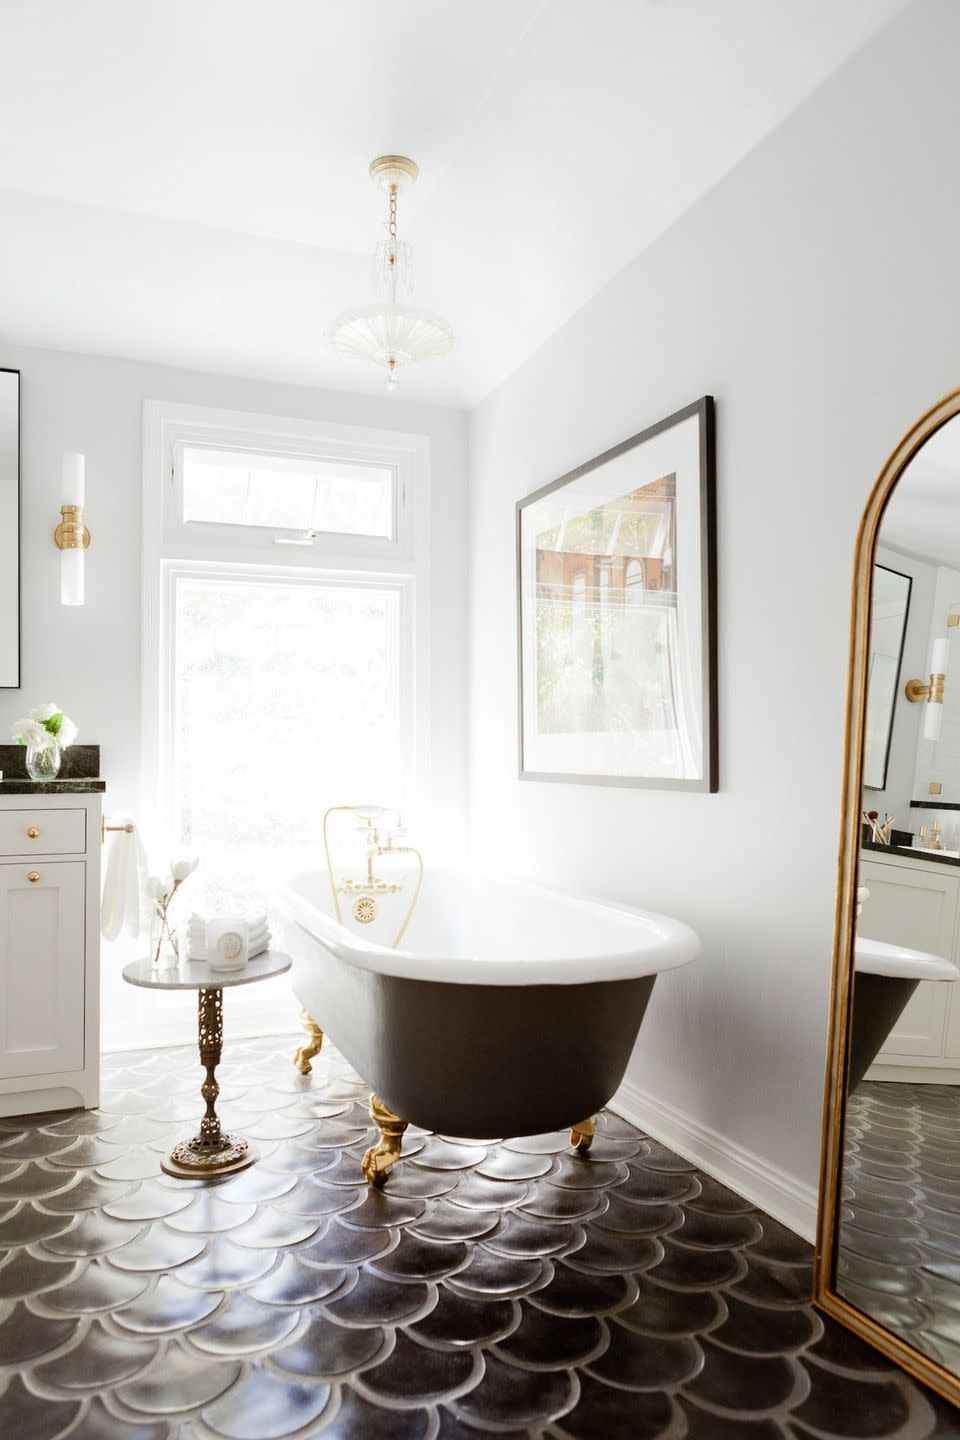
49	948
917	903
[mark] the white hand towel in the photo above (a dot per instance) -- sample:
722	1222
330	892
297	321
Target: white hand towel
122	906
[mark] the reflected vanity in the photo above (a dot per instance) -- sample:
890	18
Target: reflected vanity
888	1255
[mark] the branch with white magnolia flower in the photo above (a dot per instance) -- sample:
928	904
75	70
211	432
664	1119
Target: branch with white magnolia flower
161	892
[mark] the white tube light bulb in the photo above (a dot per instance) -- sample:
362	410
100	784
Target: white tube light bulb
71	556
932	720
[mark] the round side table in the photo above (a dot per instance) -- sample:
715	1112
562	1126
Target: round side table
210	1153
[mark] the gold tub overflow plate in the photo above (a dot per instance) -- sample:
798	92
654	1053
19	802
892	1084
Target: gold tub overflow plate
365	910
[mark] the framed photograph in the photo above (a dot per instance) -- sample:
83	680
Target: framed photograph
616	566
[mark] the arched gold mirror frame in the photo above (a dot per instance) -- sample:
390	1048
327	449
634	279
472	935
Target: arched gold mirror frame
826	1297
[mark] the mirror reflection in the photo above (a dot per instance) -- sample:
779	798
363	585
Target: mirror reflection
898	1256
9	529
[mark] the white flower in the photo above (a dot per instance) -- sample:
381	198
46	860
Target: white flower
156	888
45	712
66	734
182	868
32	734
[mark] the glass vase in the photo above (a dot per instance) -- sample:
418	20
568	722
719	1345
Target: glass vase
164	945
43	764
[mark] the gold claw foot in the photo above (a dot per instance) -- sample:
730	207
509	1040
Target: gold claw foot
305	1053
581	1136
378	1159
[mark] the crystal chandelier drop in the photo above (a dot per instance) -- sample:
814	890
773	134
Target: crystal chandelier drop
389	332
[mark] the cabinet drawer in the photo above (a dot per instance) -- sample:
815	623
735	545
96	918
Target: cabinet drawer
43	832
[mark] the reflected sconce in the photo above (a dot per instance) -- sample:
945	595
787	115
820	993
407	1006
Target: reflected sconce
932	693
71	535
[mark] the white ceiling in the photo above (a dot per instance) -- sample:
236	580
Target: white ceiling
185	180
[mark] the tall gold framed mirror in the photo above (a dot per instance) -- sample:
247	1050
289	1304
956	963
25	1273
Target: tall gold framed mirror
888	1241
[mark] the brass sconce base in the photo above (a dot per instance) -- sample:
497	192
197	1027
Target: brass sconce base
71	533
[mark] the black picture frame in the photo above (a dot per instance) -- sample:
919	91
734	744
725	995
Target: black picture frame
704	410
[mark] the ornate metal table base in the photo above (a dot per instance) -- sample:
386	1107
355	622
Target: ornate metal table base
305	1053
210	1153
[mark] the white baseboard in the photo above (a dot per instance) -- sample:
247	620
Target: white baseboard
787	1199
915	1074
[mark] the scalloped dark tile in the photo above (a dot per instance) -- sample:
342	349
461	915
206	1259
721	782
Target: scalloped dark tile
507	1289
24	1335
360	1419
507	1395
99	1360
25	1417
325	1350
553	1342
604	1410
458	1320
415	1374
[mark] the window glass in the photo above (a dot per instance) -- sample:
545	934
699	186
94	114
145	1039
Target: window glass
288	492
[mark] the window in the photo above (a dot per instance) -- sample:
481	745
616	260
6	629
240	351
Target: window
288	492
284	645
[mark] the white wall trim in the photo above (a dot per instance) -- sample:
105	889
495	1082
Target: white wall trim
787	1199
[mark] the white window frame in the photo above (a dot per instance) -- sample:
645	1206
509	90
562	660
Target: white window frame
172	549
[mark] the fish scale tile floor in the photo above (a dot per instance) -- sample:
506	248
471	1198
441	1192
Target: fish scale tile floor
507	1289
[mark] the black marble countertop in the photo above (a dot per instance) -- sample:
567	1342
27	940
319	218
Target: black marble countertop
52	787
911	852
79	772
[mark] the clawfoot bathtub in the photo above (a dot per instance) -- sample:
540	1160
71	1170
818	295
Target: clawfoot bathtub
511	1010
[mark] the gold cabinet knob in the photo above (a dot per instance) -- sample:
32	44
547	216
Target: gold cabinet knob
34	876
33	832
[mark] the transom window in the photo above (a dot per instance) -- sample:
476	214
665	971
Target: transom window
288	492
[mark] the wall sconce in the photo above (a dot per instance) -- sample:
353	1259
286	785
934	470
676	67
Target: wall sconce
71	535
916	690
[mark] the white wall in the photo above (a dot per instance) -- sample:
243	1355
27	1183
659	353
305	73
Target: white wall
815	293
88	659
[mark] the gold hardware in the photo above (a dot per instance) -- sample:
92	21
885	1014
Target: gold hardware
934	788
391	171
952	620
210	1153
826	1296
581	1136
106	829
71	533
365	910
305	1053
33	876
32	832
378	1159
372	884
915	690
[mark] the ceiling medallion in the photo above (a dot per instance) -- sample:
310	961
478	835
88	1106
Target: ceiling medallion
389	332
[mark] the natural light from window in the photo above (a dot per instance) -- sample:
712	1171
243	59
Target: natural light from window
288	492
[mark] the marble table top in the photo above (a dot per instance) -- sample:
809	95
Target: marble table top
197	974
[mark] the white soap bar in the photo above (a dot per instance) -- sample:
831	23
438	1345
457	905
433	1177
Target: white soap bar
226	944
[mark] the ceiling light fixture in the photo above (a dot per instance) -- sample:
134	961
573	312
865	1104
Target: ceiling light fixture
391	333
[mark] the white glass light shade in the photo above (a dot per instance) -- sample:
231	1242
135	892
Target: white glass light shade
941	653
391	335
71	577
71	558
932	720
74	476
